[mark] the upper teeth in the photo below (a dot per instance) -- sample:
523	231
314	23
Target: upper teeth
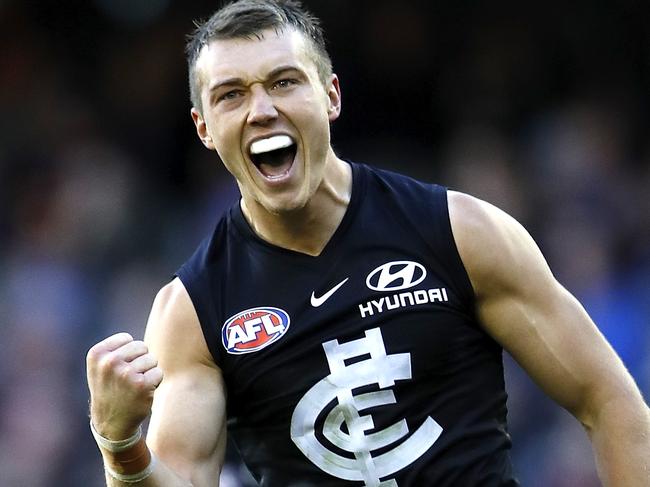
272	143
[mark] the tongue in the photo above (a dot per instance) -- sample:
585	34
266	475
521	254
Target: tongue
276	163
274	171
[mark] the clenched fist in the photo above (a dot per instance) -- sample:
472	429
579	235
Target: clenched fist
122	377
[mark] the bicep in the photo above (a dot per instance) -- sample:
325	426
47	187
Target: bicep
187	426
522	306
551	336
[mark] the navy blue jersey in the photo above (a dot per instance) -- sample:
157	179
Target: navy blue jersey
365	365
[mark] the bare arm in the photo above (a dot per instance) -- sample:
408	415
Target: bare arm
548	332
187	427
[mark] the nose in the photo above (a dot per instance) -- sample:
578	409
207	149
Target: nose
262	109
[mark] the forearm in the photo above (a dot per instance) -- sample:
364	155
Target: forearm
620	437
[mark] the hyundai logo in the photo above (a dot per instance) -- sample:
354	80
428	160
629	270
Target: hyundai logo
394	276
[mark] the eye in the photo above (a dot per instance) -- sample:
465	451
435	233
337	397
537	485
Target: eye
229	95
284	83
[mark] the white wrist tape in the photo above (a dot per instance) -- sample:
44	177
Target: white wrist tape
116	445
133	478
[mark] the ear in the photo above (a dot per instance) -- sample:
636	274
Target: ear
334	98
202	129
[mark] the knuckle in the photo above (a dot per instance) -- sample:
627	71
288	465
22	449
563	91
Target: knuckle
139	382
125	373
158	375
109	362
93	355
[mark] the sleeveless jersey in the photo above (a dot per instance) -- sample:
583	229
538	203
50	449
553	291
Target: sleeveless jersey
365	365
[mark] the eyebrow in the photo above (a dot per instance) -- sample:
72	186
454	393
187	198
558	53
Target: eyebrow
239	81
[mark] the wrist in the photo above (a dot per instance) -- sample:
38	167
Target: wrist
128	460
111	428
115	445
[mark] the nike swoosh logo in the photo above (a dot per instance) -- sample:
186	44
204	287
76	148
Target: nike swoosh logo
316	302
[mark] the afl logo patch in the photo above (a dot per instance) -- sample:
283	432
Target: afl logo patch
395	276
254	329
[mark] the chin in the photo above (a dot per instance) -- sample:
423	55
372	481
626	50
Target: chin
284	209
283	206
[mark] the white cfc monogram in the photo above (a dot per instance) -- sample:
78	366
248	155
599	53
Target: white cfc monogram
379	369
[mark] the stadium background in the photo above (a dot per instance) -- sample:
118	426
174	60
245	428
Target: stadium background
538	107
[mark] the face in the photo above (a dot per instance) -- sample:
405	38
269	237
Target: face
267	114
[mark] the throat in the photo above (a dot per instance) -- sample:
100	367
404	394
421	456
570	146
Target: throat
304	230
307	229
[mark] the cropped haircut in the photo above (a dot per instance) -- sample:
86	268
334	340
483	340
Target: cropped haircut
246	19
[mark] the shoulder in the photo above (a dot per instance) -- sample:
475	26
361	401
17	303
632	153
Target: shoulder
172	307
473	220
413	198
173	329
395	180
498	252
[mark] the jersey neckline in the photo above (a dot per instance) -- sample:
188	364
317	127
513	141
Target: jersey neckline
358	183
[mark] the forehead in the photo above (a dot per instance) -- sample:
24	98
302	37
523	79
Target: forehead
251	58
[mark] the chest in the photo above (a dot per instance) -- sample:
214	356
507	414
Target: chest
290	322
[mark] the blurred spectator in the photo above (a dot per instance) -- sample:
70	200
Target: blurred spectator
104	189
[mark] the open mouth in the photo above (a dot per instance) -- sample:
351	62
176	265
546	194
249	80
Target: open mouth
274	155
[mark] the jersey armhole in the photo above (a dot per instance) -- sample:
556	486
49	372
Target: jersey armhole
204	311
446	244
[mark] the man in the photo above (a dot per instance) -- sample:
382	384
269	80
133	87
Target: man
346	323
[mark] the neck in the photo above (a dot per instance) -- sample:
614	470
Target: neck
308	229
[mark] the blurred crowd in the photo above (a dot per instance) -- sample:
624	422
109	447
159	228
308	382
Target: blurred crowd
541	109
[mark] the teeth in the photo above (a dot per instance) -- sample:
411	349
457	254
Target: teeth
272	143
